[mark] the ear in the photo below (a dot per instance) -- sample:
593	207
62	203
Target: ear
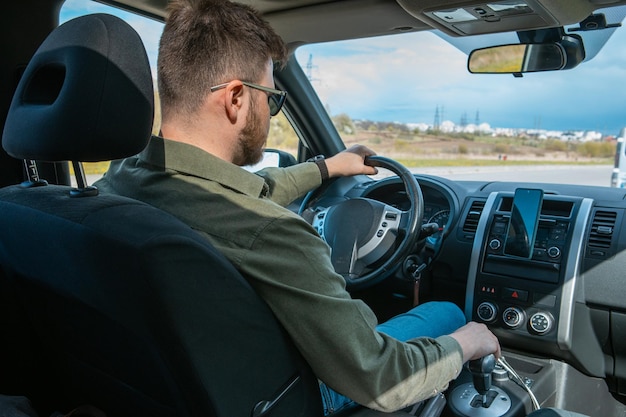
233	100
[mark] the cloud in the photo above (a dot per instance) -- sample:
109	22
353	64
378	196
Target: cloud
406	77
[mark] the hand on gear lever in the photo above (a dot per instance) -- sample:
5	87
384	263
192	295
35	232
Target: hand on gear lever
481	370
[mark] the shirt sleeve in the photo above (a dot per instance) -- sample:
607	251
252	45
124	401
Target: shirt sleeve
288	184
335	333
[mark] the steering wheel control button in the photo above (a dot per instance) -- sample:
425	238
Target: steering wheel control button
391	216
487	311
318	222
541	322
513	317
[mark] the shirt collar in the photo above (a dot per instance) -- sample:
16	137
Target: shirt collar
191	160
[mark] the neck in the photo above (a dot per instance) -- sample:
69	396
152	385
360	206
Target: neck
200	137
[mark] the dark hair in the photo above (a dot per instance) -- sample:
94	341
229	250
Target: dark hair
209	42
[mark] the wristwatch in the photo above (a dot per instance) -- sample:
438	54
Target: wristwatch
320	161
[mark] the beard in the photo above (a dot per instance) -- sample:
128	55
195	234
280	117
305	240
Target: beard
252	139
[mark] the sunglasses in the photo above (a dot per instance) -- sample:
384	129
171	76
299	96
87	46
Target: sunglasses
275	99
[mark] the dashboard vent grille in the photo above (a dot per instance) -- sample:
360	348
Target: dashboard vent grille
473	215
602	228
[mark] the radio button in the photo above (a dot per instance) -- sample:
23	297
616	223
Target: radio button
495	244
554	252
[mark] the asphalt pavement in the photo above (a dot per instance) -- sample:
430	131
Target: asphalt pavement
560	174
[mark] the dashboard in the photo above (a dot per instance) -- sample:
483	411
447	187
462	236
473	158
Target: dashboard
565	300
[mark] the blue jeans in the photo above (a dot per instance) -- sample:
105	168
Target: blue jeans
432	319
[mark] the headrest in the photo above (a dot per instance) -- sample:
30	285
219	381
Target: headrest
86	95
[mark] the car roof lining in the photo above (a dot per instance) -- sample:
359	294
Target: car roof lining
313	21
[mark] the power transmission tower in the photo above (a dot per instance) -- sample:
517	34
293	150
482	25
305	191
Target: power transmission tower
437	121
309	69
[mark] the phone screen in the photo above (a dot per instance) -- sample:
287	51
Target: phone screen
522	229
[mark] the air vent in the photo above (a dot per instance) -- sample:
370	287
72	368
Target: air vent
473	215
602	228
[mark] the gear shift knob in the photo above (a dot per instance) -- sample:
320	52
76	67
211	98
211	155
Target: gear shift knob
481	370
479	398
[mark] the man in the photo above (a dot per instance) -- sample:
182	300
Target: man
217	95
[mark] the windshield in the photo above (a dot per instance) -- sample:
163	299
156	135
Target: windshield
410	97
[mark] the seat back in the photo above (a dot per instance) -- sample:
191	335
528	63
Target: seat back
134	311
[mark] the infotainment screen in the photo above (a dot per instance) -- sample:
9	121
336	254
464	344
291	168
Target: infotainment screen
522	230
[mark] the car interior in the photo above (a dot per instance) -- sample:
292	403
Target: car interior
108	301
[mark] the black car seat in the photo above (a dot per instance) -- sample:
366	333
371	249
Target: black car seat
131	310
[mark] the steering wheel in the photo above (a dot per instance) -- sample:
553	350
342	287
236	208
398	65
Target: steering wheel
369	239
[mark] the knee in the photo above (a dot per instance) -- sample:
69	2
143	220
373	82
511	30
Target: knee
450	313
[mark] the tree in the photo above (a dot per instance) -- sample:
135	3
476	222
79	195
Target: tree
343	123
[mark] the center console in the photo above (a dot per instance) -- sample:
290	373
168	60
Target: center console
524	267
526	284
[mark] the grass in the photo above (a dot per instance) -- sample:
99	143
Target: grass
454	150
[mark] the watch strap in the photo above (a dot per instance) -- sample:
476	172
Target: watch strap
320	161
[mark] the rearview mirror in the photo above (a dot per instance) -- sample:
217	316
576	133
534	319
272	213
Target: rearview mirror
517	58
520	58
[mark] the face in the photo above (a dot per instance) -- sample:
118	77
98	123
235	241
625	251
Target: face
253	136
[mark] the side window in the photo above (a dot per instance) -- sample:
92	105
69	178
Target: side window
282	135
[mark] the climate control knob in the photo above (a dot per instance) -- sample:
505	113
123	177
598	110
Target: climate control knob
487	311
513	317
541	322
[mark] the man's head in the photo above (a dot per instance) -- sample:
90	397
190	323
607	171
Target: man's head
209	42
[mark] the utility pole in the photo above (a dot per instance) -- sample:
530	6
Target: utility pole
309	68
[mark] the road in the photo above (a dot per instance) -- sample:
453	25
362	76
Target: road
560	174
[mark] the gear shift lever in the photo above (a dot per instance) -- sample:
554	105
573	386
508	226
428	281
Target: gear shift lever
481	370
479	398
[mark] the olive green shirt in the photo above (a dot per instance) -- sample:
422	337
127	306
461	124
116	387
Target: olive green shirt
287	263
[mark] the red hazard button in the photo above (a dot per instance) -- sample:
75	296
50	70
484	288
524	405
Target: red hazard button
515	294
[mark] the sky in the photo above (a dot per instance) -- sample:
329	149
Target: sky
407	78
412	75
